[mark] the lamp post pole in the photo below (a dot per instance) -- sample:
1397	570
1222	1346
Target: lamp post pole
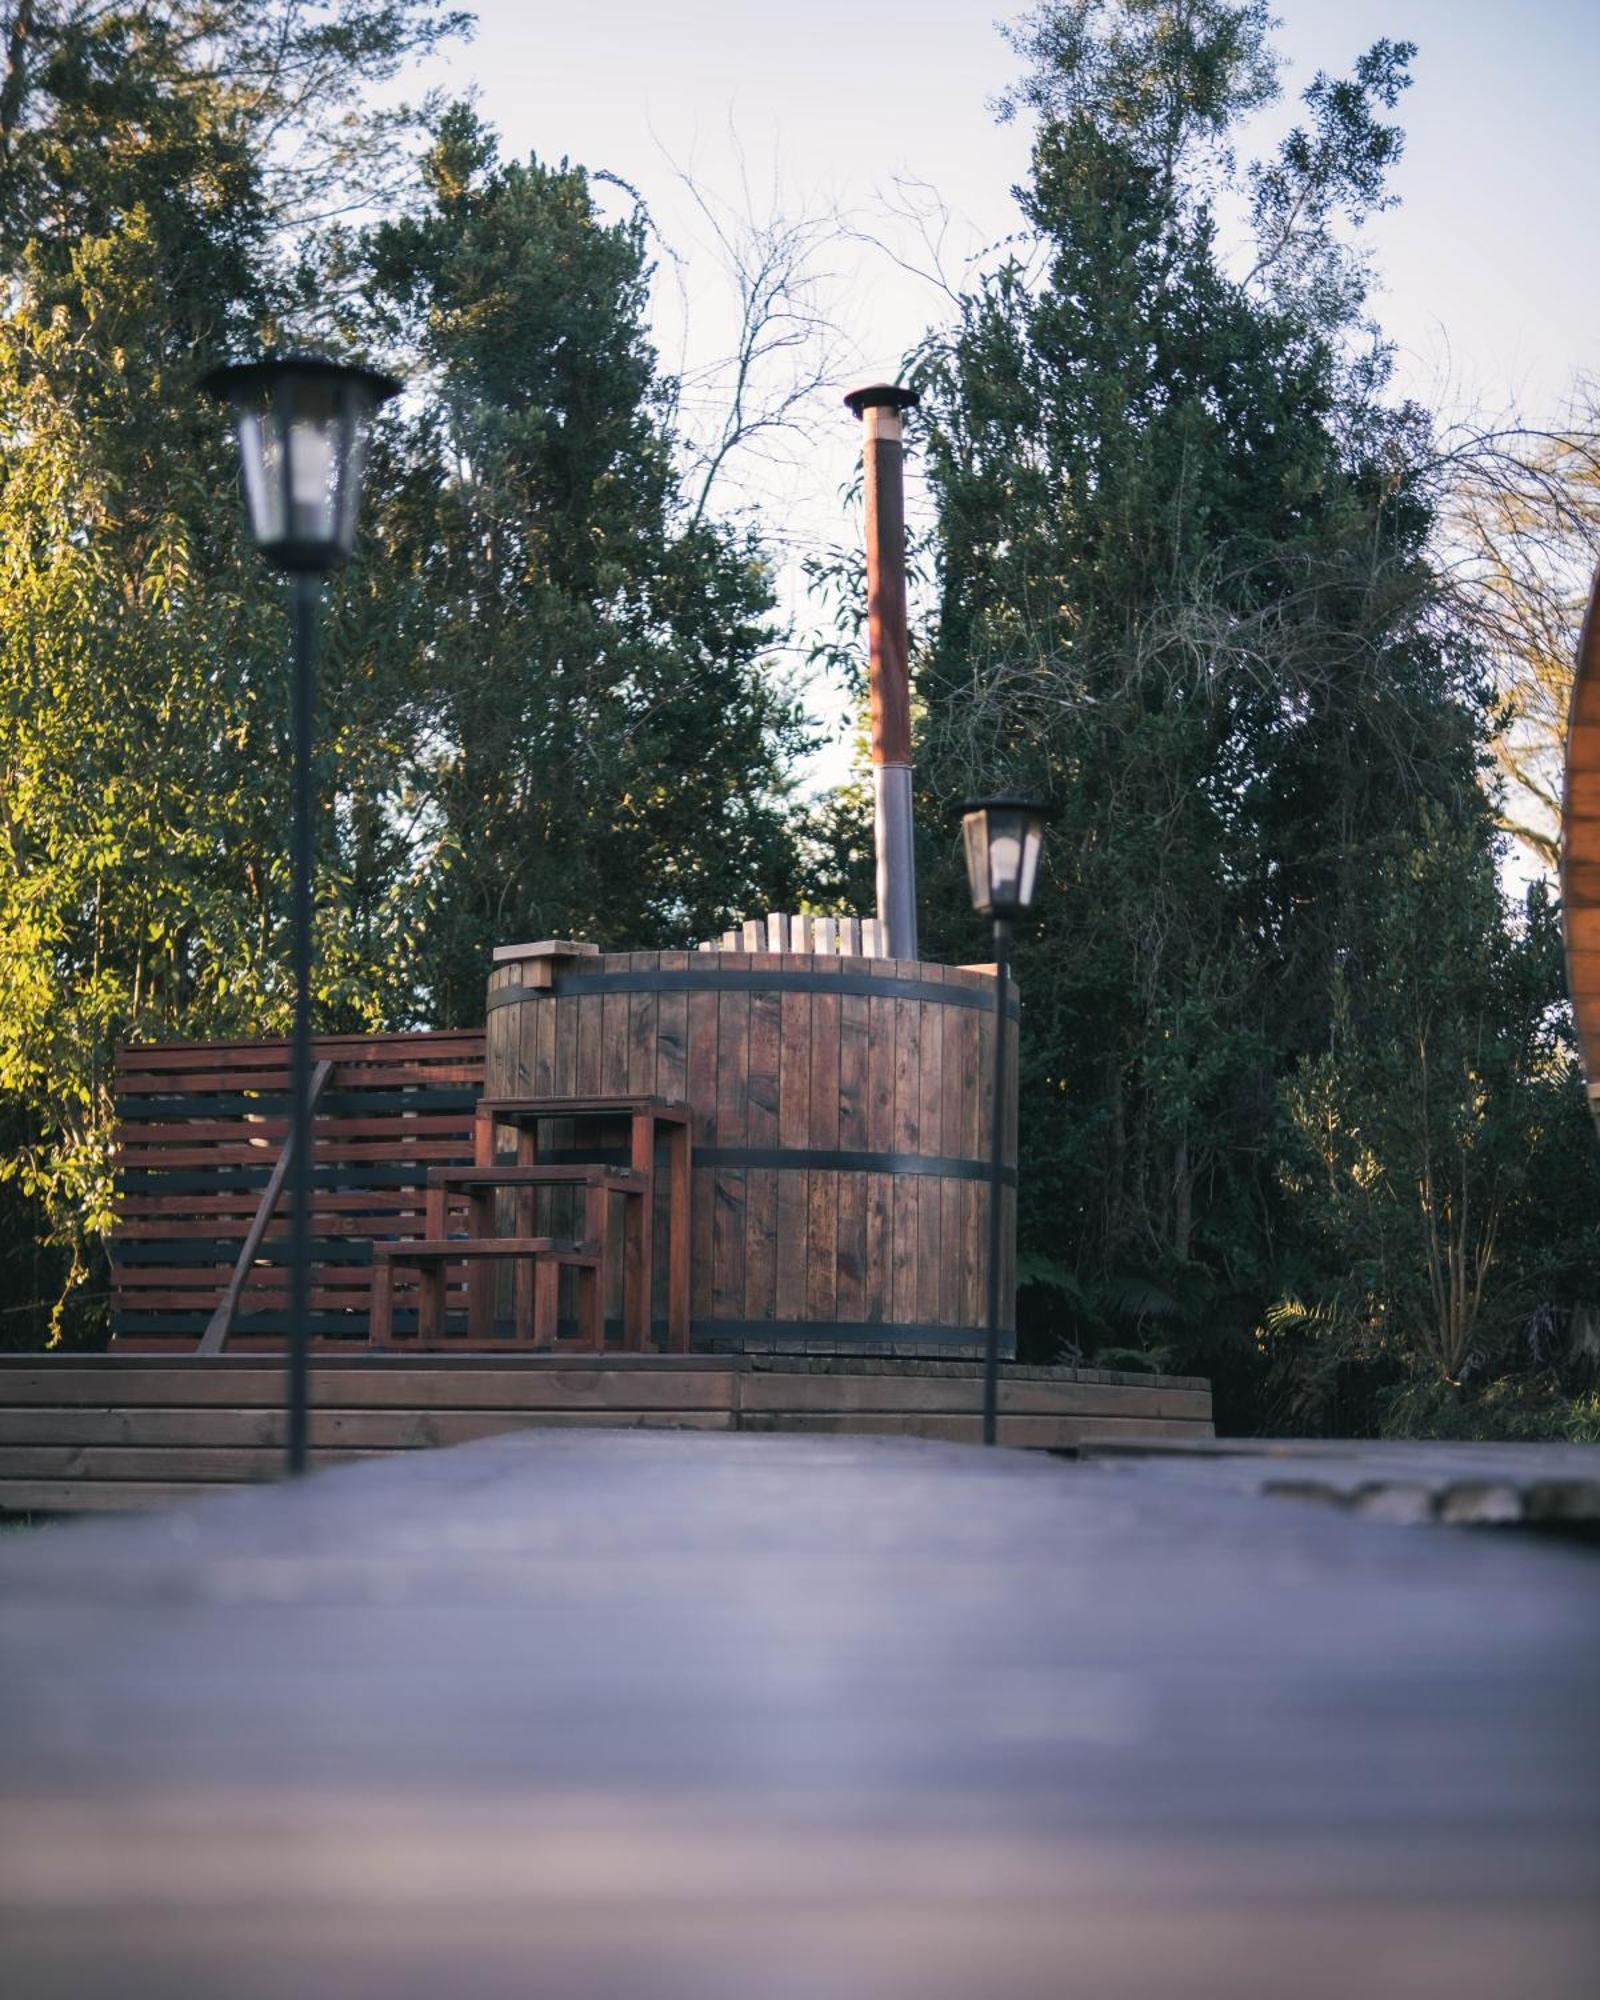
997	1137
305	590
1002	838
301	421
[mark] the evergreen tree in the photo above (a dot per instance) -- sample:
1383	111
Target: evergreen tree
1186	590
602	748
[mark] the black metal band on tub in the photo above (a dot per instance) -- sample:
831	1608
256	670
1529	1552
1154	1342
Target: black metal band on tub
793	1335
783	1159
854	985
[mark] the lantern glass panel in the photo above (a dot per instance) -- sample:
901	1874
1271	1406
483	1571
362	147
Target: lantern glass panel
975	833
1005	860
261	463
316	462
1032	847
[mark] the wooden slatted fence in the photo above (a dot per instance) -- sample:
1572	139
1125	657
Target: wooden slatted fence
200	1127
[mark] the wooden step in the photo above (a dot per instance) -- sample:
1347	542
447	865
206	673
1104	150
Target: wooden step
662	1108
449	1249
620	1180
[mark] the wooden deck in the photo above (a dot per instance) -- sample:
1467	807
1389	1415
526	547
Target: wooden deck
114	1432
794	1718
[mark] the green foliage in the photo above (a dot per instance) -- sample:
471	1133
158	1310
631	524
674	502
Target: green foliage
1522	1408
543	699
1282	1041
602	749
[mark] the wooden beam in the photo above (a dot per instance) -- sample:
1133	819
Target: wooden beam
213	1340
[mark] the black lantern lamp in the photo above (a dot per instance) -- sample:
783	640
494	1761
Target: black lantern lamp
1002	838
302	422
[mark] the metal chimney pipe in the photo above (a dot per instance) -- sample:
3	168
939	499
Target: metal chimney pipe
879	408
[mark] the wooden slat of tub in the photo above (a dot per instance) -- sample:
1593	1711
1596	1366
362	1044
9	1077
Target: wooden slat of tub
794	1129
880	1075
702	1074
852	1247
543	1015
733	1068
762	1128
614	1043
822	1192
878	1283
672	1035
566	1050
761	1243
591	1033
855	1023
522	1046
930	1127
701	1095
728	1243
732	1093
907	1075
855	1017
953	1136
765	1069
498	1029
643	1019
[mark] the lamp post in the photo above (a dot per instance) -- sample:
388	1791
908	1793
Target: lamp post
302	423
1002	839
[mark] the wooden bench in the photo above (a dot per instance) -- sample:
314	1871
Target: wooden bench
650	1120
537	1302
536	1305
430	1257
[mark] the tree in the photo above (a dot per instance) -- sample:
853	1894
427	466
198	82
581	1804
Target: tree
602	745
1522	530
1417	1132
145	202
1186	588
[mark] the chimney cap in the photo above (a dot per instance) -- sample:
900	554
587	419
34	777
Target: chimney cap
882	396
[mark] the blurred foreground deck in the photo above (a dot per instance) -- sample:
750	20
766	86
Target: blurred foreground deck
616	1714
110	1432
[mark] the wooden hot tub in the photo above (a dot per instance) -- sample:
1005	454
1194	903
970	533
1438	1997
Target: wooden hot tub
841	1118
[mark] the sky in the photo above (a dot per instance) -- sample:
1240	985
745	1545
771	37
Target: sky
859	108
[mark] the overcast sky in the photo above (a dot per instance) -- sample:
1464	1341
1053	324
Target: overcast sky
1491	278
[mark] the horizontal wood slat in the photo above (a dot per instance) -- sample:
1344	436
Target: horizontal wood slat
110	1432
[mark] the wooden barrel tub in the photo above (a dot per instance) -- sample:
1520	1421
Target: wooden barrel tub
841	1121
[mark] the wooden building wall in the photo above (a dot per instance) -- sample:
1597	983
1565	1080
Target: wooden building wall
1580	848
